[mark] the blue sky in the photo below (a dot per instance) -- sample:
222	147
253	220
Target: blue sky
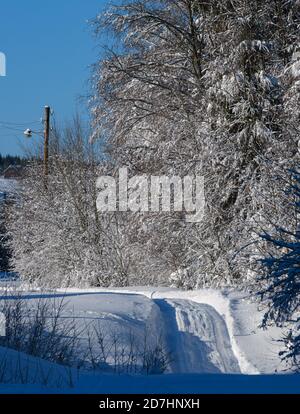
49	48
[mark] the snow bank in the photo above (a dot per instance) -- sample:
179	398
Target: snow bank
20	368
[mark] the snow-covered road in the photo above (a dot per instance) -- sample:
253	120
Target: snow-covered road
204	331
197	338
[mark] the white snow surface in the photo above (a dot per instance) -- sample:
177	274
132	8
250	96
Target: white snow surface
206	332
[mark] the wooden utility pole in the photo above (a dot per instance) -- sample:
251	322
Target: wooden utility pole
46	142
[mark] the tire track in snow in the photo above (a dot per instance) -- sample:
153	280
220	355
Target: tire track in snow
197	338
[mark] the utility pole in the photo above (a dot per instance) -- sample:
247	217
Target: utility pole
46	142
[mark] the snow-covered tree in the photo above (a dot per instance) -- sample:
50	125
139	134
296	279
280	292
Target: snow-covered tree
201	88
144	108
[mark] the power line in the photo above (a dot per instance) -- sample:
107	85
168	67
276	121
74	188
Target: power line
11	128
20	123
15	127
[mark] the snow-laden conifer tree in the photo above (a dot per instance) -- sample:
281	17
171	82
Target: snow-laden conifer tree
280	275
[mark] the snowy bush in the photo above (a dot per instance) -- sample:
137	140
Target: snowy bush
124	353
58	237
39	331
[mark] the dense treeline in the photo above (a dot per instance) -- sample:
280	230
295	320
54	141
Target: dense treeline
7	160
